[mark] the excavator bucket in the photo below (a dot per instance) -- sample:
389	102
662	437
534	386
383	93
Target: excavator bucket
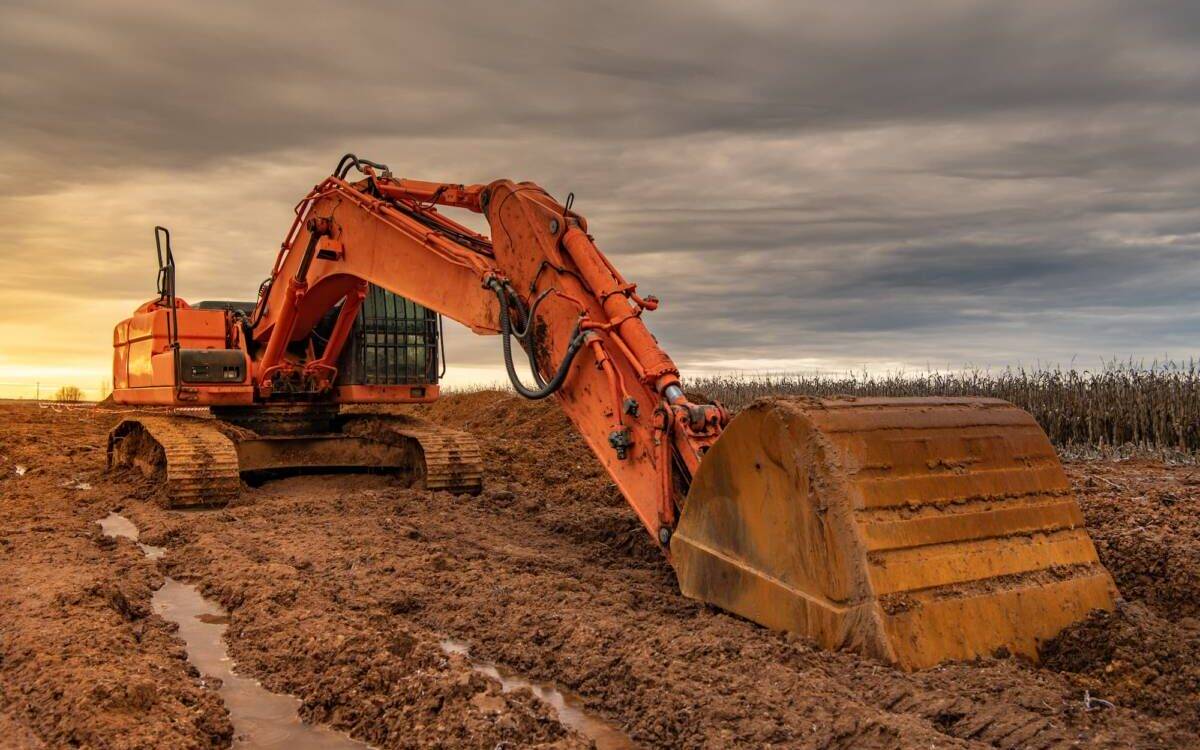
912	530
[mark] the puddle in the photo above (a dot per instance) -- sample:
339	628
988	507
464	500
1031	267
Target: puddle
261	719
567	706
115	524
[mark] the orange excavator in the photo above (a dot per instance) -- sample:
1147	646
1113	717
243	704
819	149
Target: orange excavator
912	530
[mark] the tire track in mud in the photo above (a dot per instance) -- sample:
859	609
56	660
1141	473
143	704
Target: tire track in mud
351	656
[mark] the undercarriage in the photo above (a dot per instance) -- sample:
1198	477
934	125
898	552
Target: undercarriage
202	457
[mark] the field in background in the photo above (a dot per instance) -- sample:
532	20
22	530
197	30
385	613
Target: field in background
1154	408
1123	407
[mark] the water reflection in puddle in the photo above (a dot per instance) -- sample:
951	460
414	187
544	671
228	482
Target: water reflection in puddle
261	719
567	706
115	524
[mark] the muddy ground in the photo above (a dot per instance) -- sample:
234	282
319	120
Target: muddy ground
340	590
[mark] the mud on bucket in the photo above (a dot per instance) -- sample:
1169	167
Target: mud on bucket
911	530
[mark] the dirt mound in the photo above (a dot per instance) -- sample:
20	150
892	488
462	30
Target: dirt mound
504	414
536	461
1135	657
1145	520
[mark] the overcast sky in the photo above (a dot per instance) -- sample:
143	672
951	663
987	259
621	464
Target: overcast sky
805	185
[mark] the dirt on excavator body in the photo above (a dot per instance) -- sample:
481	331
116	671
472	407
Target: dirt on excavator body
913	530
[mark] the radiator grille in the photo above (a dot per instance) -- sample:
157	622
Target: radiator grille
394	342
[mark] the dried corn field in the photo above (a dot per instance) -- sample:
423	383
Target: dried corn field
1122	406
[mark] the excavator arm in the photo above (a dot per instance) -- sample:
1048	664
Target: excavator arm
539	281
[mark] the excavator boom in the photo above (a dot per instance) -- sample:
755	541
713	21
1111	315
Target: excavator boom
914	530
539	282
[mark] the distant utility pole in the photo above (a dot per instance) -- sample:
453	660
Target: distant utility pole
38	392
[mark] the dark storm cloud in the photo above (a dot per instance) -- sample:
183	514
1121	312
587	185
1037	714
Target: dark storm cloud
857	181
182	82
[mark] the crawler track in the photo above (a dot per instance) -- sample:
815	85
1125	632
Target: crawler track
199	457
452	459
200	462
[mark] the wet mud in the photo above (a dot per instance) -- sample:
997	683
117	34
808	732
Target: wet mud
568	707
84	662
343	590
260	719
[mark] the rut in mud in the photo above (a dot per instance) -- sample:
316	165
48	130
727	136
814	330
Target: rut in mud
261	719
340	590
83	660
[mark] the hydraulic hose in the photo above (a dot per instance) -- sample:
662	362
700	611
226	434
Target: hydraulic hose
524	330
524	317
350	160
547	388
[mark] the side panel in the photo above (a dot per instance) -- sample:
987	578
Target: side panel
144	362
120	370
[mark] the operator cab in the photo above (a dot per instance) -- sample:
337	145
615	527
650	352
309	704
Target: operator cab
172	353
